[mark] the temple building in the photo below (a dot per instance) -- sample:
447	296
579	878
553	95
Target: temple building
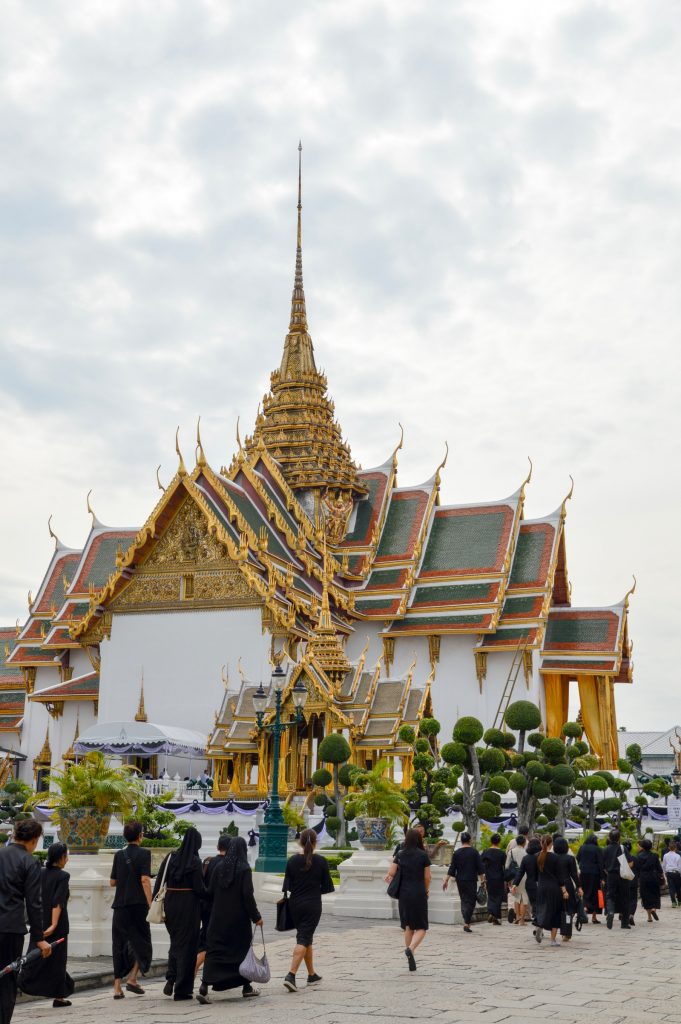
388	604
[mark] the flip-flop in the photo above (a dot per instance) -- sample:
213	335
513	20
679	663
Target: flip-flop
133	987
119	995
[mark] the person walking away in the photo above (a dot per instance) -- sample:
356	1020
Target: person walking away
570	882
230	932
209	866
52	979
514	858
130	931
467	870
184	895
20	899
633	882
650	878
591	873
616	888
523	831
307	879
552	894
529	873
671	865
413	863
494	862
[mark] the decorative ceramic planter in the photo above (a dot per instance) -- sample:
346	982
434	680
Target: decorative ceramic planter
372	832
83	829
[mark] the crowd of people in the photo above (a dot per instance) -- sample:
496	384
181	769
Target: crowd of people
211	913
541	879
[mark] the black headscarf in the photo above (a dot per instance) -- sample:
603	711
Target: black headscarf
185	858
591	839
234	861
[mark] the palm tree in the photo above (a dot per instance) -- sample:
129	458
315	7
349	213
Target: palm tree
92	782
378	796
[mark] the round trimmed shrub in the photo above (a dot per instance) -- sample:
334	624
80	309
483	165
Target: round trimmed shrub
634	753
407	734
494	738
552	827
553	749
541	789
572	729
522	715
350	812
421	745
535	769
457	797
468	730
517	760
491	797
458	826
624	766
492	760
334	749
322	777
518	782
596	783
429	727
345	773
321	800
562	775
550	809
535	739
607	806
423	762
542	819
486	810
581	746
509	741
499	783
332	825
608	776
454	753
558	790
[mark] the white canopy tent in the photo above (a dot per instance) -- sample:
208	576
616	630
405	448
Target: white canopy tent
141	739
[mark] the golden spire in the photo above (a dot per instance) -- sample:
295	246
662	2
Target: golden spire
141	715
324	644
181	469
200	454
70	754
44	757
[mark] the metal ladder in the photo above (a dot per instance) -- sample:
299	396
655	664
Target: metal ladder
513	673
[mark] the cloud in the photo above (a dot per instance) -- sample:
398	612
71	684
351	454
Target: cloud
491	238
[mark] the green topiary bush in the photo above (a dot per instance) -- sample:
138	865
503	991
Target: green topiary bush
494	738
535	769
468	730
562	774
541	789
407	734
522	715
322	777
454	753
421	746
535	739
518	782
492	760
429	727
499	783
334	749
486	810
553	749
573	729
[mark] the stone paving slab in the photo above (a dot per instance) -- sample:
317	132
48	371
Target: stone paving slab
494	975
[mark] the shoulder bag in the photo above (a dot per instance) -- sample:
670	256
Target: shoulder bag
393	889
625	870
157	910
284	915
481	896
254	968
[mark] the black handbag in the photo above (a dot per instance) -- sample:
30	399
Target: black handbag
393	889
481	896
284	916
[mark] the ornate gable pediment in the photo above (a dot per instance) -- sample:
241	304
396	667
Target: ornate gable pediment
187	567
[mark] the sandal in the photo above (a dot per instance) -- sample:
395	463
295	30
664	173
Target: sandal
132	986
119	995
61	1002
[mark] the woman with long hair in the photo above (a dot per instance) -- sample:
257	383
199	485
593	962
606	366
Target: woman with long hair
570	882
590	861
230	933
185	893
413	863
551	892
307	879
50	977
650	877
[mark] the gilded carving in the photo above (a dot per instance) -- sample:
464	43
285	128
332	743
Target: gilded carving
186	540
337	509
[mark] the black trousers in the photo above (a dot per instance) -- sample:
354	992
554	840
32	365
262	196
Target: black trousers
11	946
183	921
131	939
467	891
674	879
496	890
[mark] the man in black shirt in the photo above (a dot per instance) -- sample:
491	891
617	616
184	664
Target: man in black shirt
131	877
20	897
494	860
467	869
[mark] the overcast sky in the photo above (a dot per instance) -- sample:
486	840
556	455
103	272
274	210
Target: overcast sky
492	256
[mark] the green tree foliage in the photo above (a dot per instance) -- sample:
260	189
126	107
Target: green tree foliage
93	782
335	750
430	794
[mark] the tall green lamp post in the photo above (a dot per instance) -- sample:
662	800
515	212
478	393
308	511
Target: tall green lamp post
274	831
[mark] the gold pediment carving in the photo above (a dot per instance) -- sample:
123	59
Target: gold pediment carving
186	543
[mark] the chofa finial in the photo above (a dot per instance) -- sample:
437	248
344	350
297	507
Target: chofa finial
52	533
629	592
90	508
200	454
158	479
181	469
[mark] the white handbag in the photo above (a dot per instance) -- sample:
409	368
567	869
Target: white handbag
157	910
625	870
254	968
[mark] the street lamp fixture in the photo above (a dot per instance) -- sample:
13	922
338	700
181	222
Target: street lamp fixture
676	782
274	831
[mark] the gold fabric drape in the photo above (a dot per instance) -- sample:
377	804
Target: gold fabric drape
597	701
556	688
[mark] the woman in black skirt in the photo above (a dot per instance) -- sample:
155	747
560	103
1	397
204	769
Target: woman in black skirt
413	864
590	861
650	877
307	878
551	892
184	896
49	977
569	878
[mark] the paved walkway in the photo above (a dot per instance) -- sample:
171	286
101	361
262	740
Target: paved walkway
494	975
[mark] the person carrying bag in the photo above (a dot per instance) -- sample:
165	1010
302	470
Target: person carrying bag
254	968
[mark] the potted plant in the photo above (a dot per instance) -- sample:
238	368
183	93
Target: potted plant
85	795
162	829
376	804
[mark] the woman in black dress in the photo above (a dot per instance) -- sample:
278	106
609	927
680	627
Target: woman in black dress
650	877
551	892
307	878
230	930
49	977
413	863
590	861
569	876
529	871
184	896
617	888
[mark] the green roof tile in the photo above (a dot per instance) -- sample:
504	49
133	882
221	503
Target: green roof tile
453	594
589	631
528	558
399	524
518	605
365	511
384	577
465	542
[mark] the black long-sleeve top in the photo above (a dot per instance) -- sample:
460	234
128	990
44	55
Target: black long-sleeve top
610	858
590	860
466	865
192	878
528	869
20	887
